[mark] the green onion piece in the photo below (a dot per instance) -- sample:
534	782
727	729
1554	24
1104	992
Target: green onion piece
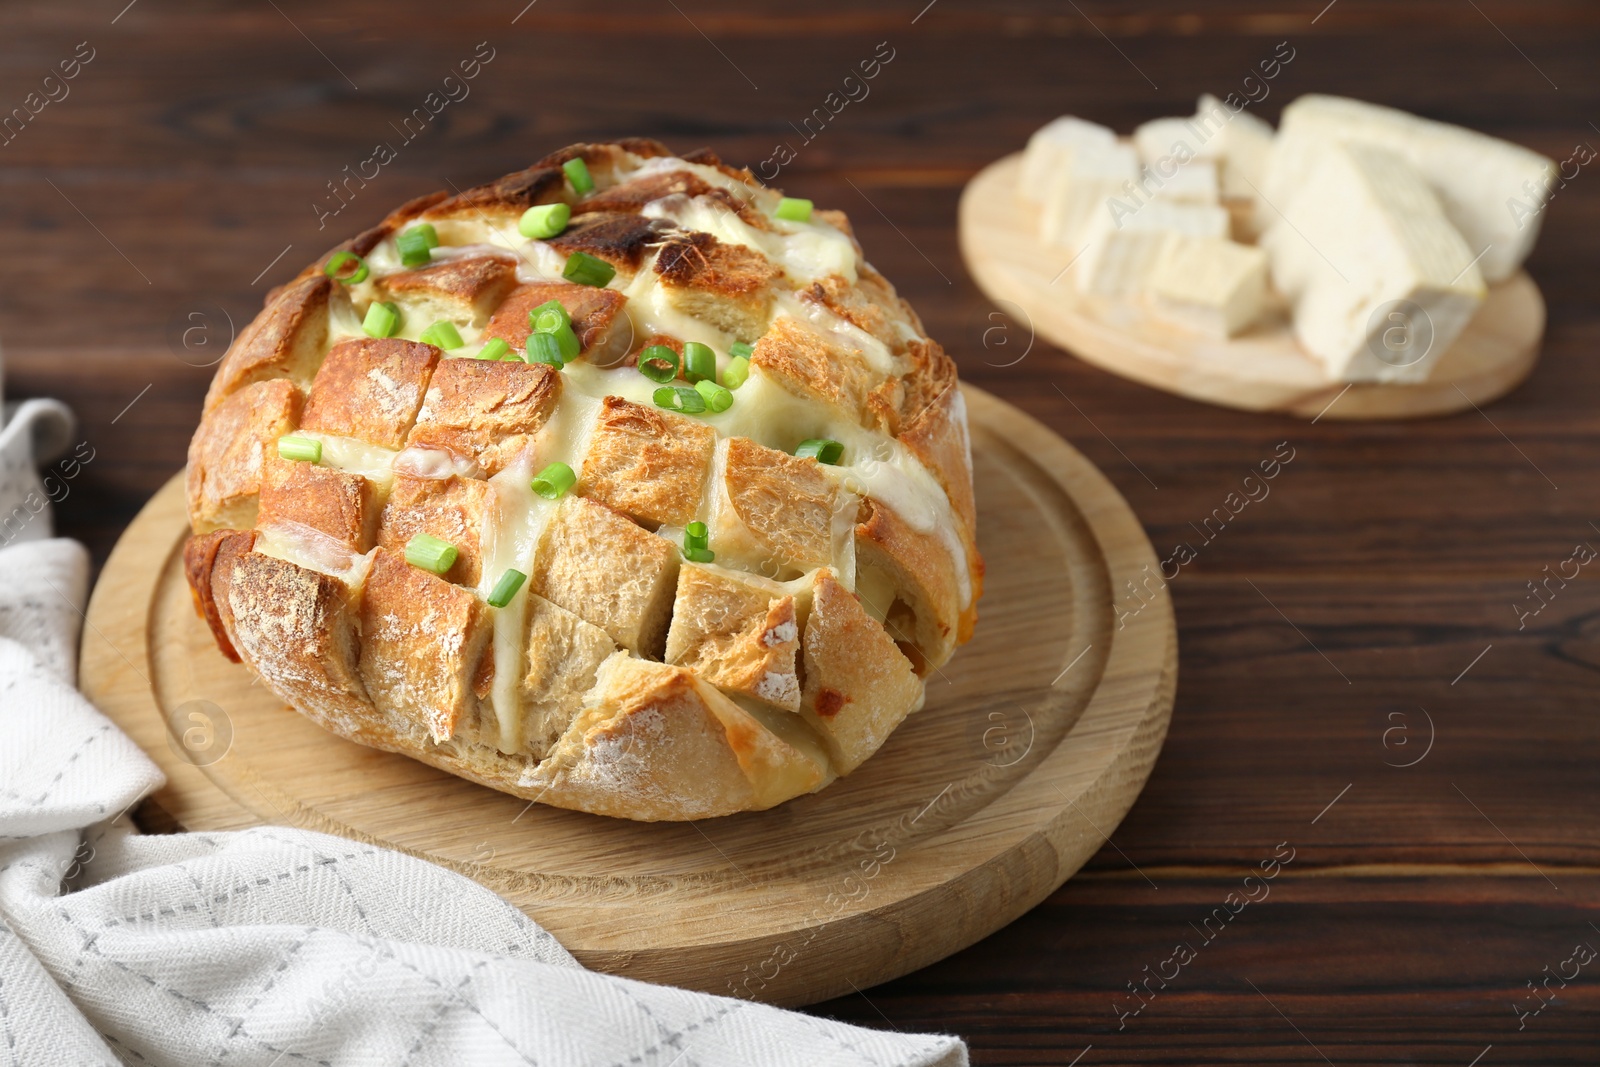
494	348
336	263
717	397
699	362
382	320
578	174
549	317
736	372
554	480
695	535
587	270
794	209
699	555
821	449
680	398
506	588
430	553
545	221
416	245
658	363
442	335
300	449
741	350
567	342
543	348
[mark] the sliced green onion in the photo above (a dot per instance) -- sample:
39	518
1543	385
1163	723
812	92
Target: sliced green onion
416	245
553	481
717	397
300	449
587	270
737	370
544	221
549	317
383	320
430	553
578	174
336	263
494	348
741	350
695	543
680	398
567	342
442	335
699	555
544	348
794	209
658	363
699	362
821	449
506	588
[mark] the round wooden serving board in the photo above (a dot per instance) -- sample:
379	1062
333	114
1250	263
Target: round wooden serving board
1263	370
1035	739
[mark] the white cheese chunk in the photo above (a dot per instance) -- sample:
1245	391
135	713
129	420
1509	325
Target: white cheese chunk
1480	180
1050	148
1365	232
1180	140
1123	247
1083	190
1191	183
1209	283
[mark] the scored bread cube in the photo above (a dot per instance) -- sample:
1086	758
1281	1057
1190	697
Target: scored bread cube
647	463
859	685
564	652
920	598
485	410
421	640
453	509
785	504
370	388
343	506
285	341
604	333
463	291
737	632
229	450
622	240
727	285
807	363
609	572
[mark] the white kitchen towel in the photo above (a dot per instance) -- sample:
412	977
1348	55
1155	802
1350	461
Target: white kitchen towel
276	946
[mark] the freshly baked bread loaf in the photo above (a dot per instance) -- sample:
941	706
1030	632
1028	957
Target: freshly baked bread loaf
685	548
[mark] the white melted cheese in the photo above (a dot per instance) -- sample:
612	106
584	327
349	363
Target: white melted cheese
305	546
353	456
807	251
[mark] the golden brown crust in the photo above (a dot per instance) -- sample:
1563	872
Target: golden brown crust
229	450
208	561
285	341
925	610
452	509
421	639
807	364
596	315
609	572
786	503
504	198
635	193
370	388
486	411
620	239
647	463
729	286
737	632
564	655
463	291
343	506
858	685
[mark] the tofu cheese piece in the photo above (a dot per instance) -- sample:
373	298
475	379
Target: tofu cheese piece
1366	230
1244	150
1479	179
1050	148
1180	140
1122	248
1082	191
1209	283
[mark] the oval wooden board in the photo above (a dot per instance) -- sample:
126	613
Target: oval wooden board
1263	370
1035	739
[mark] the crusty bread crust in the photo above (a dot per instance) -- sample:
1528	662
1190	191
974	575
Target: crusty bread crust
621	678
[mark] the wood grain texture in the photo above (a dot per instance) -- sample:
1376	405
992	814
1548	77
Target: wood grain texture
198	138
1263	370
1034	742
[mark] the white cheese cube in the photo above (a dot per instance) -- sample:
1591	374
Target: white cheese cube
1122	246
1050	148
1244	145
1192	183
1209	283
1180	140
1083	190
1491	190
1364	234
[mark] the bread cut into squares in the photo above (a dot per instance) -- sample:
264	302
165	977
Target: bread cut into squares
647	463
738	632
370	389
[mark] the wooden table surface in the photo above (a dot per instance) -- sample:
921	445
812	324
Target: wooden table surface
1363	616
